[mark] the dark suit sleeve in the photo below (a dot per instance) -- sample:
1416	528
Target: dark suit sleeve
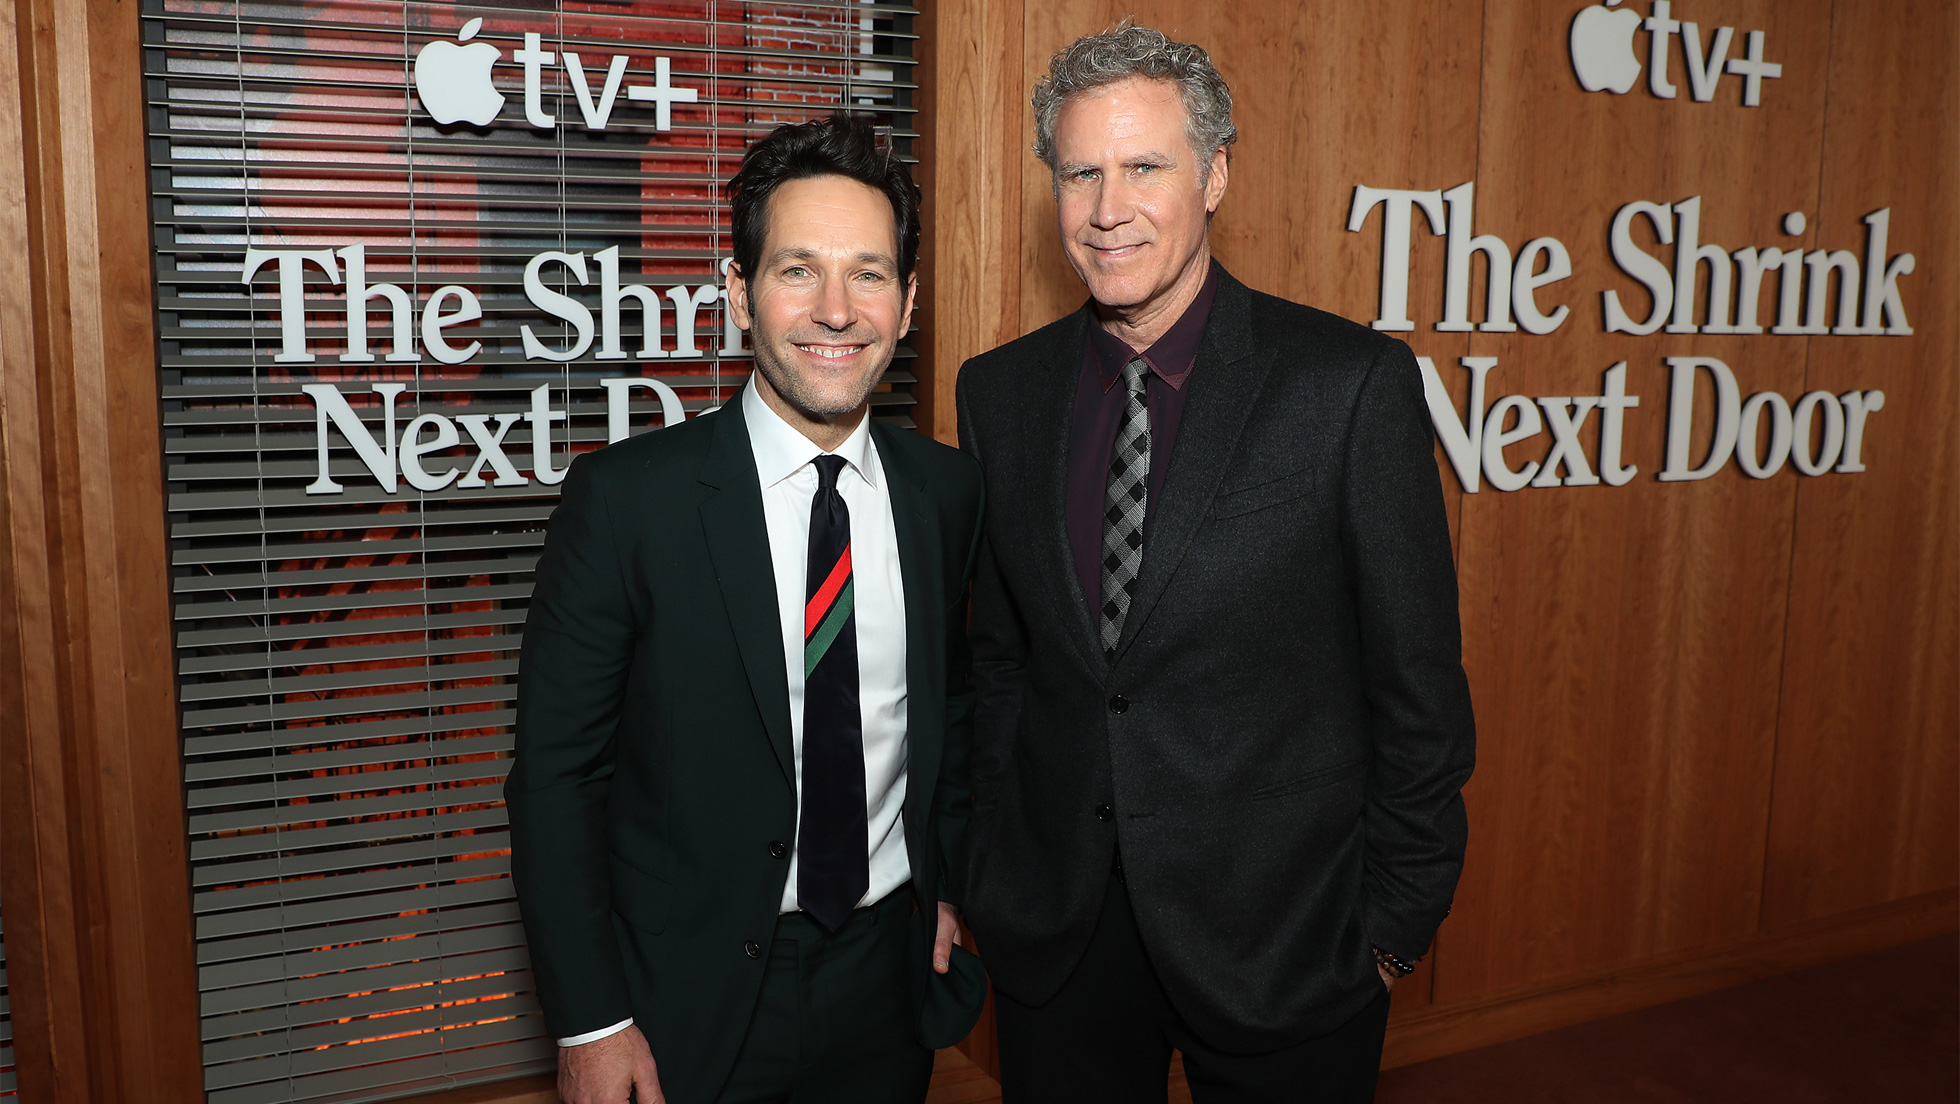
578	645
955	773
1397	542
1000	647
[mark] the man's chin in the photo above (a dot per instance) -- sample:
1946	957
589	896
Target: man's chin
1119	294
824	403
833	410
1115	287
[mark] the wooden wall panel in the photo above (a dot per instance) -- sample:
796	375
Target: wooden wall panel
1865	806
97	887
45	978
1625	643
970	134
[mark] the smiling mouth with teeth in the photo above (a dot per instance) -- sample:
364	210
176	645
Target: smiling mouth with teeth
831	352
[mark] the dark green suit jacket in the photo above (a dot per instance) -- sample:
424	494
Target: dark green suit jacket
654	772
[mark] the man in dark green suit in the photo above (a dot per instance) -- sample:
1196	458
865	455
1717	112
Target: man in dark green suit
739	802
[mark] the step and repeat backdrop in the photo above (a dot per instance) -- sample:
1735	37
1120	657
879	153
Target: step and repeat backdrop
1682	280
410	259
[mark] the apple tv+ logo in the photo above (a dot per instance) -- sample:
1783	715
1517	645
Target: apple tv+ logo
1604	60
453	81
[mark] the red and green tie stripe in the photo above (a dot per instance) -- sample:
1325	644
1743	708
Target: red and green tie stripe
826	613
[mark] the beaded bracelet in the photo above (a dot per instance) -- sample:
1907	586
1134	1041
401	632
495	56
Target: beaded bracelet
1393	965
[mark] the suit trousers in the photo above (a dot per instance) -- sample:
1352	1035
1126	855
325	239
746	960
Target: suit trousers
1106	1038
835	1023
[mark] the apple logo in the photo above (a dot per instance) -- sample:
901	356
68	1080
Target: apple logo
454	81
1602	47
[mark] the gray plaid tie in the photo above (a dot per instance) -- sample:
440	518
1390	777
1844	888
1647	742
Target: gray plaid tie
1123	505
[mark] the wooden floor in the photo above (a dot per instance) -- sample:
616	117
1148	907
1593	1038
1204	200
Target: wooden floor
1878	1029
1881	1028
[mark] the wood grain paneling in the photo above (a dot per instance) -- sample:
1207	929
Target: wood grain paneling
44	976
103	981
971	134
1865	807
1624	643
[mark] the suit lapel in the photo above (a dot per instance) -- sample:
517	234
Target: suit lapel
920	565
1224	384
738	542
1049	423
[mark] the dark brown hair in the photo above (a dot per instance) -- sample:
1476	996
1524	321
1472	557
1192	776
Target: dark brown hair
842	144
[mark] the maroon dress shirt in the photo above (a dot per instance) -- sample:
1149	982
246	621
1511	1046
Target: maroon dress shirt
1098	409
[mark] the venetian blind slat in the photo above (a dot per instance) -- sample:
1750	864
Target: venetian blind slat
6	1022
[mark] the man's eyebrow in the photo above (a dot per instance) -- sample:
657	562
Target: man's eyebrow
1147	157
804	253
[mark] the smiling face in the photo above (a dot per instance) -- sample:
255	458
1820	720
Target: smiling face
825	307
1133	199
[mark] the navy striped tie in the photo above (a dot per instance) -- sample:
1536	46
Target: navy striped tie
833	867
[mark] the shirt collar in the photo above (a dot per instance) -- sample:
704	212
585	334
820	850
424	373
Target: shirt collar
1173	354
781	450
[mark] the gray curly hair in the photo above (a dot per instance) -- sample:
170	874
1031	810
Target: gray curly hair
1126	51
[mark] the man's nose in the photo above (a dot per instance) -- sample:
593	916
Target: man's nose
833	308
1114	205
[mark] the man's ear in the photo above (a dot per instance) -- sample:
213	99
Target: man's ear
905	316
1215	183
738	297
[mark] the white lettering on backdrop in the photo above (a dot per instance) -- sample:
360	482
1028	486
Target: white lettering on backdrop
1819	433
393	459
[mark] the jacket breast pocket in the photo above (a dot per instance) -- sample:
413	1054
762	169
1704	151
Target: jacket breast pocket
641	899
1236	502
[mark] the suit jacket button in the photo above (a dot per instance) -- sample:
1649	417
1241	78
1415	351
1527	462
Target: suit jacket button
752	949
1119	704
777	850
1104	812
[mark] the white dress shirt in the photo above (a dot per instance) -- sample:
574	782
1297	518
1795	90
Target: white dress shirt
789	481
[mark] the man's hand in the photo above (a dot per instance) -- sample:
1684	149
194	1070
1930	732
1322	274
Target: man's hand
1388	979
949	934
606	1070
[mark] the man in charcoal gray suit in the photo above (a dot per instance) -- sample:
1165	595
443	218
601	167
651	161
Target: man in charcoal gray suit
1223	723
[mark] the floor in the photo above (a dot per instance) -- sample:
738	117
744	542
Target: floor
1880	1029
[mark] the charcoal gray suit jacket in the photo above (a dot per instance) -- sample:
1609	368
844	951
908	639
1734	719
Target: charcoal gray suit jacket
1279	745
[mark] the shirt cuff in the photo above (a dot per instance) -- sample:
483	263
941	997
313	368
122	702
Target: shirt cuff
595	1036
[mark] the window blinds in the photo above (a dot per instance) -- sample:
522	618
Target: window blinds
350	576
6	1021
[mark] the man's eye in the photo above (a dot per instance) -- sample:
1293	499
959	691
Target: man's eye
871	277
796	272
